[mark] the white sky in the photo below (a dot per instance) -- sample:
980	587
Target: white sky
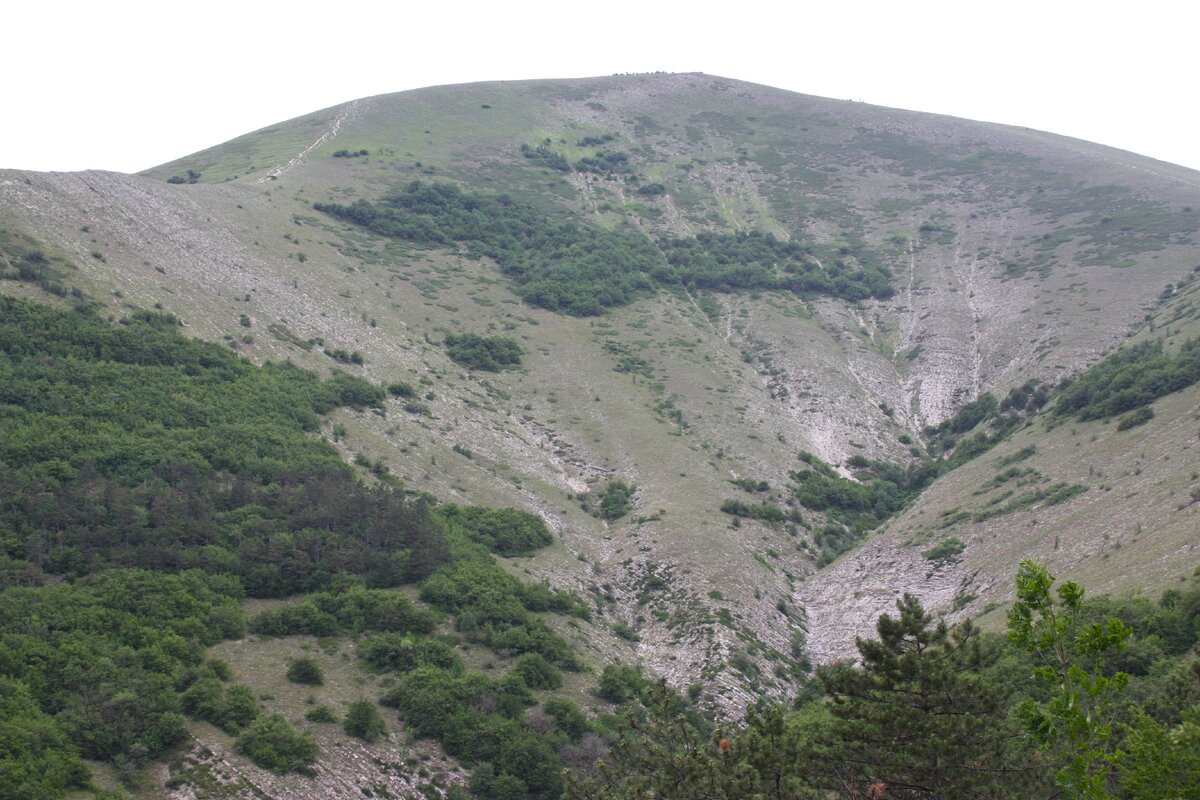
125	85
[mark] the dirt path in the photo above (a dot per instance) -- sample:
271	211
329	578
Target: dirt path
348	112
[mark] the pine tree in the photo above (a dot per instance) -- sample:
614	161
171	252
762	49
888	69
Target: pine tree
917	719
666	753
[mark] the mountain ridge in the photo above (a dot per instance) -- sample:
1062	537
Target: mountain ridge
1169	170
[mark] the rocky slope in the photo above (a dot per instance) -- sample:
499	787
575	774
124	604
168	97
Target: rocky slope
1014	255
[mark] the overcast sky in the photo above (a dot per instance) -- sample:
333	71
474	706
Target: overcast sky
125	86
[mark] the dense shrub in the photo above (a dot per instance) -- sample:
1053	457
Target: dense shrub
882	490
945	550
363	721
124	399
130	445
504	531
208	699
943	437
489	353
1029	397
537	672
353	610
272	744
1134	418
763	511
344	356
305	671
109	667
1130	379
546	157
757	260
493	607
153	450
615	501
605	163
596	141
620	683
395	652
191	177
567	717
751	485
37	760
480	722
559	264
832	540
321	714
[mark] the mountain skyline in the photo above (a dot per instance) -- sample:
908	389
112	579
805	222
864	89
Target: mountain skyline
124	89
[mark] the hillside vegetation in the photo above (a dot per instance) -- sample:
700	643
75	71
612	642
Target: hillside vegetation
162	522
423	435
580	270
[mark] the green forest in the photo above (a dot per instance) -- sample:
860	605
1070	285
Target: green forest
565	265
149	484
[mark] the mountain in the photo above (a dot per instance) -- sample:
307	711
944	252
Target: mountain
824	317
